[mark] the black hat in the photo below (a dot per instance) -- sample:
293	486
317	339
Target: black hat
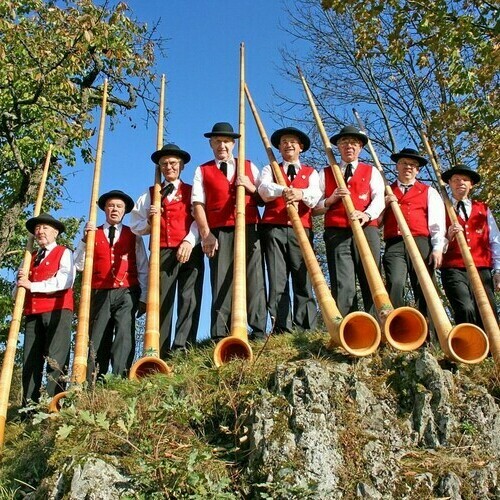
349	130
463	170
303	138
116	193
223	129
170	150
409	153
44	219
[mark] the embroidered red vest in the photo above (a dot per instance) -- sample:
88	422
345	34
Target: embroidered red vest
220	197
275	211
38	303
477	235
115	267
414	205
359	187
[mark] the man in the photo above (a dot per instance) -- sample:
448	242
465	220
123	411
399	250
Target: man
181	257
476	221
424	213
214	200
282	251
366	187
48	309
119	281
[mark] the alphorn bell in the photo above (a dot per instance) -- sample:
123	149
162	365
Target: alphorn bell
79	371
404	328
236	345
473	342
358	333
17	313
151	363
467	338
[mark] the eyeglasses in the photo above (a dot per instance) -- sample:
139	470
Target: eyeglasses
348	141
411	164
170	163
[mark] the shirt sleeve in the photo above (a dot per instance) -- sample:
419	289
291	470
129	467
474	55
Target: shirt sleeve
436	219
79	256
268	189
494	240
139	217
198	192
63	279
142	266
312	193
256	175
377	187
193	236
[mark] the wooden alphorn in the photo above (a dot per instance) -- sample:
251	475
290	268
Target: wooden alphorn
236	344
17	313
472	343
358	333
151	363
404	328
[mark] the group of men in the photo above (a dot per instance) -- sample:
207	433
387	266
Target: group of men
199	220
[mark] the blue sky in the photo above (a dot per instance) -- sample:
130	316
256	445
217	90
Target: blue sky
202	69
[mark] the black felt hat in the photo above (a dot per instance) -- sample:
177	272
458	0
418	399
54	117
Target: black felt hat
409	153
170	150
223	129
350	131
303	138
462	170
44	219
116	193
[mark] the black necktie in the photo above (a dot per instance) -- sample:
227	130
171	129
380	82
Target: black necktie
461	205
291	172
348	172
406	187
167	190
111	235
39	256
223	168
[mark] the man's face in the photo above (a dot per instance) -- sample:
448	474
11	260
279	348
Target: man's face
290	148
114	210
222	147
45	234
349	147
460	185
171	167
407	170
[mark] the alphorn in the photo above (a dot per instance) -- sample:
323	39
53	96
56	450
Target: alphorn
484	306
17	313
151	363
236	344
471	346
358	333
79	371
404	328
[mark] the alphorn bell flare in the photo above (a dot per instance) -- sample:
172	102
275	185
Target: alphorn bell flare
17	313
151	363
358	333
236	344
404	328
468	342
447	335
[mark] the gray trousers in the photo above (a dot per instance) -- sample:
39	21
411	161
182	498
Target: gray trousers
47	339
344	266
187	281
112	331
284	260
221	280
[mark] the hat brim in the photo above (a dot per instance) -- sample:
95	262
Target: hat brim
49	221
395	157
303	138
179	153
362	137
129	202
232	135
448	174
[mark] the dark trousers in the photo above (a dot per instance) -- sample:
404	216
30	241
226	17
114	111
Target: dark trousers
458	289
398	266
187	280
47	339
112	331
221	280
284	260
344	265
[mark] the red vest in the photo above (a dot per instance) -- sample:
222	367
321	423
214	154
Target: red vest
414	205
275	212
477	235
176	217
220	197
359	187
38	303
114	267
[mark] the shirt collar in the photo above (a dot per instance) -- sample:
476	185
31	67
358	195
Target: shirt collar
107	225
343	164
51	246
